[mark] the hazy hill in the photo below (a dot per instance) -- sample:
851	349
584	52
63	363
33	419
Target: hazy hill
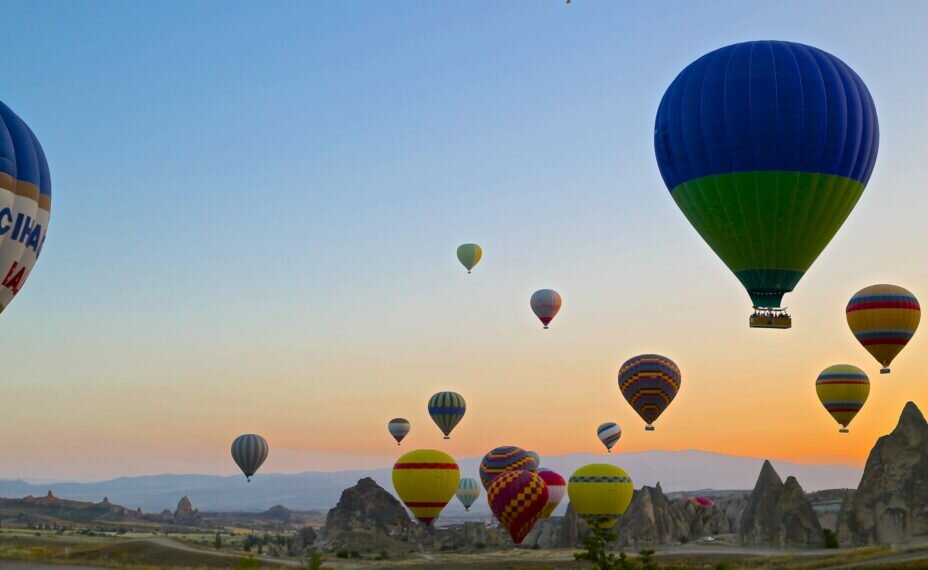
675	470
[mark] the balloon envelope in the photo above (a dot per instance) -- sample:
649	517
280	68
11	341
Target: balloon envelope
398	428
468	492
545	304
249	451
518	499
536	457
600	493
883	319
557	488
766	146
843	390
649	383
447	409
469	255
425	481
703	501
609	433
502	459
25	203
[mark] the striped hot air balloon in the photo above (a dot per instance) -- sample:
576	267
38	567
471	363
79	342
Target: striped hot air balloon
766	146
649	382
600	493
502	459
468	491
249	451
843	390
609	433
469	255
557	488
883	318
447	409
545	304
398	428
518	499
425	481
25	203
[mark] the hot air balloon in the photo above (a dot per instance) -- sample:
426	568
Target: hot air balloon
398	428
447	409
702	501
518	499
536	457
766	147
502	459
545	304
249	451
469	255
468	491
843	390
883	318
609	433
600	493
649	382
425	480
25	203
557	488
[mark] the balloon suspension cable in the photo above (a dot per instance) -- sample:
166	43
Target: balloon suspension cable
247	478
546	327
648	428
884	370
468	271
447	437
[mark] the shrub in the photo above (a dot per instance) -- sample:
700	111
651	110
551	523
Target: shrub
831	539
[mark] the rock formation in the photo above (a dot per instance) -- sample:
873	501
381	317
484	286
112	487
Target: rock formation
890	505
185	513
779	514
366	515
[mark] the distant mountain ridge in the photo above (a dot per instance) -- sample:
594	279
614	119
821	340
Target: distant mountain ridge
676	471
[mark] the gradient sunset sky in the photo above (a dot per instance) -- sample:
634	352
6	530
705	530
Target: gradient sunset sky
257	205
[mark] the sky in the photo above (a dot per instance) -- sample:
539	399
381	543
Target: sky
256	209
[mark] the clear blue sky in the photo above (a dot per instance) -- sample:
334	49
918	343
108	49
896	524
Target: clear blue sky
256	206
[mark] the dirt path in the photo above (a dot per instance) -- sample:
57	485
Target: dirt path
13	565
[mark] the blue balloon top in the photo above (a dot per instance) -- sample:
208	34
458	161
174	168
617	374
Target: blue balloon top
766	106
21	155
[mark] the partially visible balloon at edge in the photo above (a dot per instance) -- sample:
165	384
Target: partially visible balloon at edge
25	203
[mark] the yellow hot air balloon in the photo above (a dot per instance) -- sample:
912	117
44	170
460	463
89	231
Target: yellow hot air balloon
600	493
883	318
425	480
469	255
843	390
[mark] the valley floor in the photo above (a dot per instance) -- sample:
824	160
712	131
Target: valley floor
48	551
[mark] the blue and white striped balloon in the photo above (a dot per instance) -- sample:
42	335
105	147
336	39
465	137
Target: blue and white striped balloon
468	491
249	451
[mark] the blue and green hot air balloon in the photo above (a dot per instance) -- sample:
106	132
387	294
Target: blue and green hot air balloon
447	409
766	146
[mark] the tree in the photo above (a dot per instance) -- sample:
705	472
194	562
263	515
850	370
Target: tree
596	546
218	541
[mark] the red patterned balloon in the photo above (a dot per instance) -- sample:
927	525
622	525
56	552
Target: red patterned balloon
518	500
